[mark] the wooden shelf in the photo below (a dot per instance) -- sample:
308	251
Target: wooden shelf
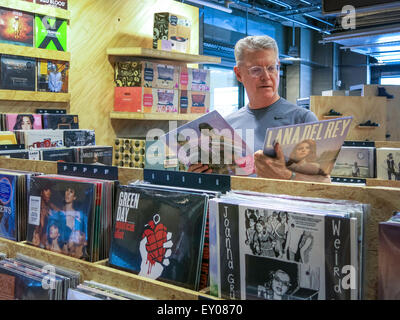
20	95
34	52
161	55
101	272
154	116
36	8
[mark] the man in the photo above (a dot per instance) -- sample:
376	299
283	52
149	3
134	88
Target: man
257	68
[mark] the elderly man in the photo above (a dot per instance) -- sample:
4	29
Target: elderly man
257	68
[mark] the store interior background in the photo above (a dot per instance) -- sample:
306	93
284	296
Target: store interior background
97	25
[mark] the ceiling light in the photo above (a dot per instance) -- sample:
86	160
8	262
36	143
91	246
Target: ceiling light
211	5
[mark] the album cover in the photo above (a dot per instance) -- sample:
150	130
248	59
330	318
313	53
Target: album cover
7	137
52	75
355	162
267	252
23	121
19	154
60	121
309	148
50	33
159	234
388	163
62	4
8	205
58	154
33	139
18	73
100	155
208	140
79	138
16	27
60	215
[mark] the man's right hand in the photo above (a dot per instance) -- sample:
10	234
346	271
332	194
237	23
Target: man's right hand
199	168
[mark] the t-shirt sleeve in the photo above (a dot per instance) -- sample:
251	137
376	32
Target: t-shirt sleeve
310	117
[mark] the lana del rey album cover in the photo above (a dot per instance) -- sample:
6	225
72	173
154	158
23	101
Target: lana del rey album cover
159	234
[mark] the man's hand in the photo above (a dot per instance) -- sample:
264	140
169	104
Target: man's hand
272	168
199	168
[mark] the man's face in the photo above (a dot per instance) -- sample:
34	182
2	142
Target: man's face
261	90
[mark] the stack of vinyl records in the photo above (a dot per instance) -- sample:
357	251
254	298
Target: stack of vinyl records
25	278
71	215
13	203
91	290
278	247
159	233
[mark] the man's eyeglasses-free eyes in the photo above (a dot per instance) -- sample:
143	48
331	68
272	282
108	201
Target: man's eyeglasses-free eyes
258	71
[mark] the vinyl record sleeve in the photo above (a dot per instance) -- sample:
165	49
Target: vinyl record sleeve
309	148
355	162
208	140
79	137
159	234
23	121
58	154
50	33
53	224
100	155
8	206
18	73
60	121
388	163
16	27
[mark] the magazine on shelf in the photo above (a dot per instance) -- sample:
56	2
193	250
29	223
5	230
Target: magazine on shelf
208	140
159	234
309	148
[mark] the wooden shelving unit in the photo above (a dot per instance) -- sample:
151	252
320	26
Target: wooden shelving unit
34	52
115	53
20	95
154	116
36	8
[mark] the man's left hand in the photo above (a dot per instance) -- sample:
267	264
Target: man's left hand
272	168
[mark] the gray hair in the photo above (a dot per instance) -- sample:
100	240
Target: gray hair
254	43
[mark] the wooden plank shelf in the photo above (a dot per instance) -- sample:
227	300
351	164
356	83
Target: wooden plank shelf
34	52
21	95
147	53
154	116
36	8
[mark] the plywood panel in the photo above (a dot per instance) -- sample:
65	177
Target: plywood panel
393	110
361	108
97	25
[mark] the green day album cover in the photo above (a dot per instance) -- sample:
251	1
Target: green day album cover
262	252
159	234
60	215
50	33
8	206
208	140
309	148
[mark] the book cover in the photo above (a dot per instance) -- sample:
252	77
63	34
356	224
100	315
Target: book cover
309	148
60	121
100	155
388	163
356	162
79	138
159	234
16	27
18	73
50	33
208	140
266	253
60	214
52	75
23	121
